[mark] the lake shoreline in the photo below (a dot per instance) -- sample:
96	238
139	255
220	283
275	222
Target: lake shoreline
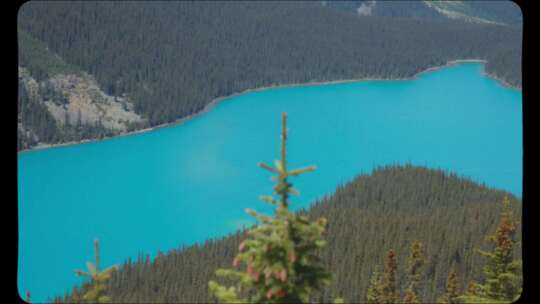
219	99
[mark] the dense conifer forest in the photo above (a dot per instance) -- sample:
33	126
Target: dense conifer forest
173	58
389	210
485	11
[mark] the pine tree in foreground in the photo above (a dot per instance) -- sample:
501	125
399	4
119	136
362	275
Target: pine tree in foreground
503	280
98	280
278	260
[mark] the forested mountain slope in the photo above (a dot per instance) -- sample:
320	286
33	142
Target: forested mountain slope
366	217
501	12
484	11
170	59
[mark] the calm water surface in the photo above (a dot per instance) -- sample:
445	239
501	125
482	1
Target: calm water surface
179	185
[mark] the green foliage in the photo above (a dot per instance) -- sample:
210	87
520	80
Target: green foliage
502	273
41	63
96	292
506	58
280	254
34	116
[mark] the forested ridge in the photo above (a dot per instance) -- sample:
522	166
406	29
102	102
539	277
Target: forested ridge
173	58
388	209
485	11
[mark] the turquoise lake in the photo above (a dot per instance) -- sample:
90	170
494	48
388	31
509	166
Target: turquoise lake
183	184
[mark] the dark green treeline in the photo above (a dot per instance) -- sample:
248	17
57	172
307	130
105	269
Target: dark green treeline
172	58
367	217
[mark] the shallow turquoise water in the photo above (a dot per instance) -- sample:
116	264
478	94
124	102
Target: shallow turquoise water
161	189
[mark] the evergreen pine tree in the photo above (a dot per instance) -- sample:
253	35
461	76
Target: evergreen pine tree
280	254
502	273
98	279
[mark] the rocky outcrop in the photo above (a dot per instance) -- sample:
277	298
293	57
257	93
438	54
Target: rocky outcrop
450	9
77	99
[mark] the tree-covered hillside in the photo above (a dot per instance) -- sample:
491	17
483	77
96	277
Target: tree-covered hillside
484	11
41	62
172	58
367	217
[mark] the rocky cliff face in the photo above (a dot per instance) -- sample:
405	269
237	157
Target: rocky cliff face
74	100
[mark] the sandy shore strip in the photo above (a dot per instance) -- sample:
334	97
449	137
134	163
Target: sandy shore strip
217	100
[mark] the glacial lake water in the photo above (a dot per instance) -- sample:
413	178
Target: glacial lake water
183	184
